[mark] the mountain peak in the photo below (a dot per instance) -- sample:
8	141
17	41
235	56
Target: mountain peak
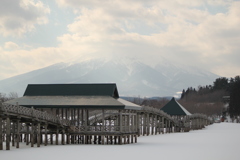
132	77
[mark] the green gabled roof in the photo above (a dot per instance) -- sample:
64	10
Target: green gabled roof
108	89
174	108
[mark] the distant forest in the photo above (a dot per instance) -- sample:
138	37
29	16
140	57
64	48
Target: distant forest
208	99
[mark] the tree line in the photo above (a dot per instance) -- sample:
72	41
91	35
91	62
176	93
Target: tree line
4	97
209	99
206	99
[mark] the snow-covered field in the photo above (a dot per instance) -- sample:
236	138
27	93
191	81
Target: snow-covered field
219	141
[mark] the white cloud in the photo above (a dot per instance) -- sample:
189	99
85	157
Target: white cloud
179	30
20	16
185	31
11	46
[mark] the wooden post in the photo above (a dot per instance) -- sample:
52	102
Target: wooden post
13	133
163	125
78	116
8	134
57	132
63	137
38	134
156	124
159	124
120	126
18	134
144	124
46	137
68	138
153	124
148	128
137	124
103	125
32	135
51	138
1	134
27	134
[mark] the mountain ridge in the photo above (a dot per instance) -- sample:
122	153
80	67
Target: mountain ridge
132	76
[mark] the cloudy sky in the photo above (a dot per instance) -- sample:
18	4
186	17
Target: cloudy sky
38	33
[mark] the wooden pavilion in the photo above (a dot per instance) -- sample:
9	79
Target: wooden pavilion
95	112
179	113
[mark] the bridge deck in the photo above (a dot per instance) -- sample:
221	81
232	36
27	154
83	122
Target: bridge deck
98	126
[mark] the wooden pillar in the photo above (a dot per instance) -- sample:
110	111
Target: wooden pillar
82	117
18	134
66	113
51	138
85	119
126	119
103	125
57	132
63	137
120	127
38	134
148	124
163	125
156	124
46	136
62	113
144	124
78	116
159	124
137	124
8	136
13	133
32	135
27	134
1	134
153	124
68	138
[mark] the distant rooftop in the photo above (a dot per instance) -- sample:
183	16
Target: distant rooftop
174	108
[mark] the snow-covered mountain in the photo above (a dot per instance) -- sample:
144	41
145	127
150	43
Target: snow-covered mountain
133	78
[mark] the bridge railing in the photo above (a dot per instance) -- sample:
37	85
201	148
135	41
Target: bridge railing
33	113
157	111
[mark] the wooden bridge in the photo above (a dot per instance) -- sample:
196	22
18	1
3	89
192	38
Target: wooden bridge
88	125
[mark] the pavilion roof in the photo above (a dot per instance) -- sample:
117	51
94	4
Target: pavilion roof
95	96
174	108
